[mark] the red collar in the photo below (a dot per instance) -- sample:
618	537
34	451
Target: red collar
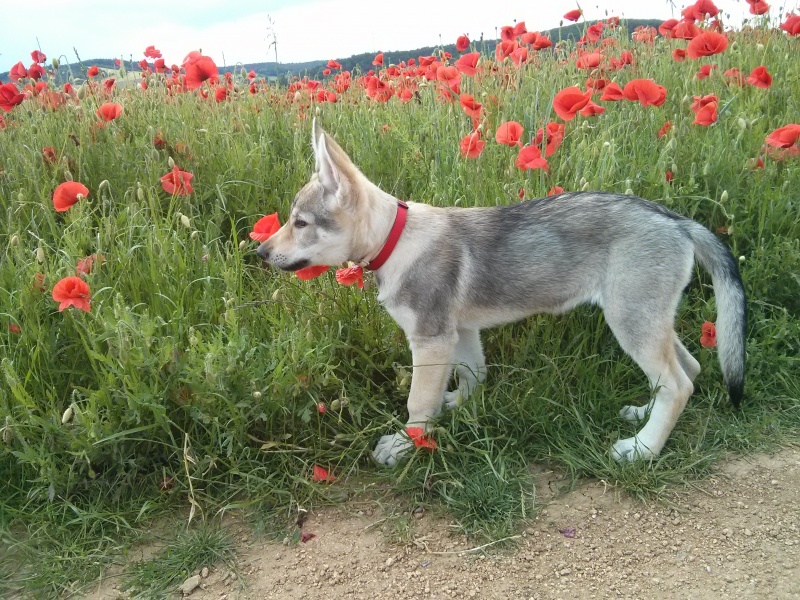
394	235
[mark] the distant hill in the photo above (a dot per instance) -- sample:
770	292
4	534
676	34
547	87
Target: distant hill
357	62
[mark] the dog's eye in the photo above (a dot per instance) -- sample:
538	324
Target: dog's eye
299	223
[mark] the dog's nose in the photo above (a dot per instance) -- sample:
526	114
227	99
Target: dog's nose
263	252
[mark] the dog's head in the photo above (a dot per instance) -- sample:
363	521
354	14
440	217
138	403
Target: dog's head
324	213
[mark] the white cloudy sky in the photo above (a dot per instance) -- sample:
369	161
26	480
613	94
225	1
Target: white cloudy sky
232	31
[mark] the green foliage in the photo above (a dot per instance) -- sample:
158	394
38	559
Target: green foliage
197	374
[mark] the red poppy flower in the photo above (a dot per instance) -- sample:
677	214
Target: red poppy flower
666	27
265	228
708	335
449	75
705	110
509	133
679	55
705	71
462	43
552	134
759	77
468	63
200	69
471	145
351	275
664	129
504	49
569	101
530	157
554	191
177	183
668	176
590	60
151	52
72	291
612	92
67	194
17	72
472	107
221	94
378	60
784	137
519	56
85	265
38	56
311	272
109	111
92	71
14	328
646	91
734	77
706	44
332	64
758	8
49	154
421	439
573	15
9	96
542	42
593	32
592	110
321	475
792	24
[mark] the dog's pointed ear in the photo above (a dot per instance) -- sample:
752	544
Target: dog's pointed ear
324	165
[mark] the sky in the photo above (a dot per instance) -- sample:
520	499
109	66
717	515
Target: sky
244	31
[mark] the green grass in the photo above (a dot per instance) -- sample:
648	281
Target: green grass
198	367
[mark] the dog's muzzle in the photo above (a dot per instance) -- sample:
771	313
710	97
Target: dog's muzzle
263	252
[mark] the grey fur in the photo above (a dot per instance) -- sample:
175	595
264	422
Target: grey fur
456	271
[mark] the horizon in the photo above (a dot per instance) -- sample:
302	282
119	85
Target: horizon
289	31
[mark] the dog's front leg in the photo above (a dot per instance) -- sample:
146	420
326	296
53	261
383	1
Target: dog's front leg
432	358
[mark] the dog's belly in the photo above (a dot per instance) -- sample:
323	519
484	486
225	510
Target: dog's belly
482	317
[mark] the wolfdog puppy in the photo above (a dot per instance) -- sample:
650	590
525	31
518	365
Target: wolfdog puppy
446	273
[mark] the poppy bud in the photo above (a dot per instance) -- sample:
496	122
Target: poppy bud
21	197
242	245
673	143
40	255
194	235
586	187
276	295
257	395
171	163
67	175
629	192
724	196
582	182
56	63
674	168
741	123
67	416
243	73
741	259
335	405
185	221
706	169
7	435
606	144
14	241
760	47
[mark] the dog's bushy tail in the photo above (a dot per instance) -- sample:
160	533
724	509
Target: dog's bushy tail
731	322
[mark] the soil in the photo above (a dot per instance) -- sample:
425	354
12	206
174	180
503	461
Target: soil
736	535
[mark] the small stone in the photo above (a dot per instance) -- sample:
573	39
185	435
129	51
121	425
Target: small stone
204	572
748	533
389	562
190	585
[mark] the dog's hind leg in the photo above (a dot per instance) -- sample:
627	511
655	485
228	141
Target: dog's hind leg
433	360
651	345
470	366
689	365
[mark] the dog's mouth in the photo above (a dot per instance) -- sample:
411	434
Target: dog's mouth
295	266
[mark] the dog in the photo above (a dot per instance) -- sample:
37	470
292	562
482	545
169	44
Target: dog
444	274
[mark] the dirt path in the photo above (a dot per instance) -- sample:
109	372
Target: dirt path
735	535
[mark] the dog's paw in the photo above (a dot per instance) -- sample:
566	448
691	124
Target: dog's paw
452	399
391	448
634	413
631	449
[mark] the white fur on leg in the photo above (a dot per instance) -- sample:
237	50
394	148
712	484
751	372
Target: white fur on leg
635	413
391	448
470	367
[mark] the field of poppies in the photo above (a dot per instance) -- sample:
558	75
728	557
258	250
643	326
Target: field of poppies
148	361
